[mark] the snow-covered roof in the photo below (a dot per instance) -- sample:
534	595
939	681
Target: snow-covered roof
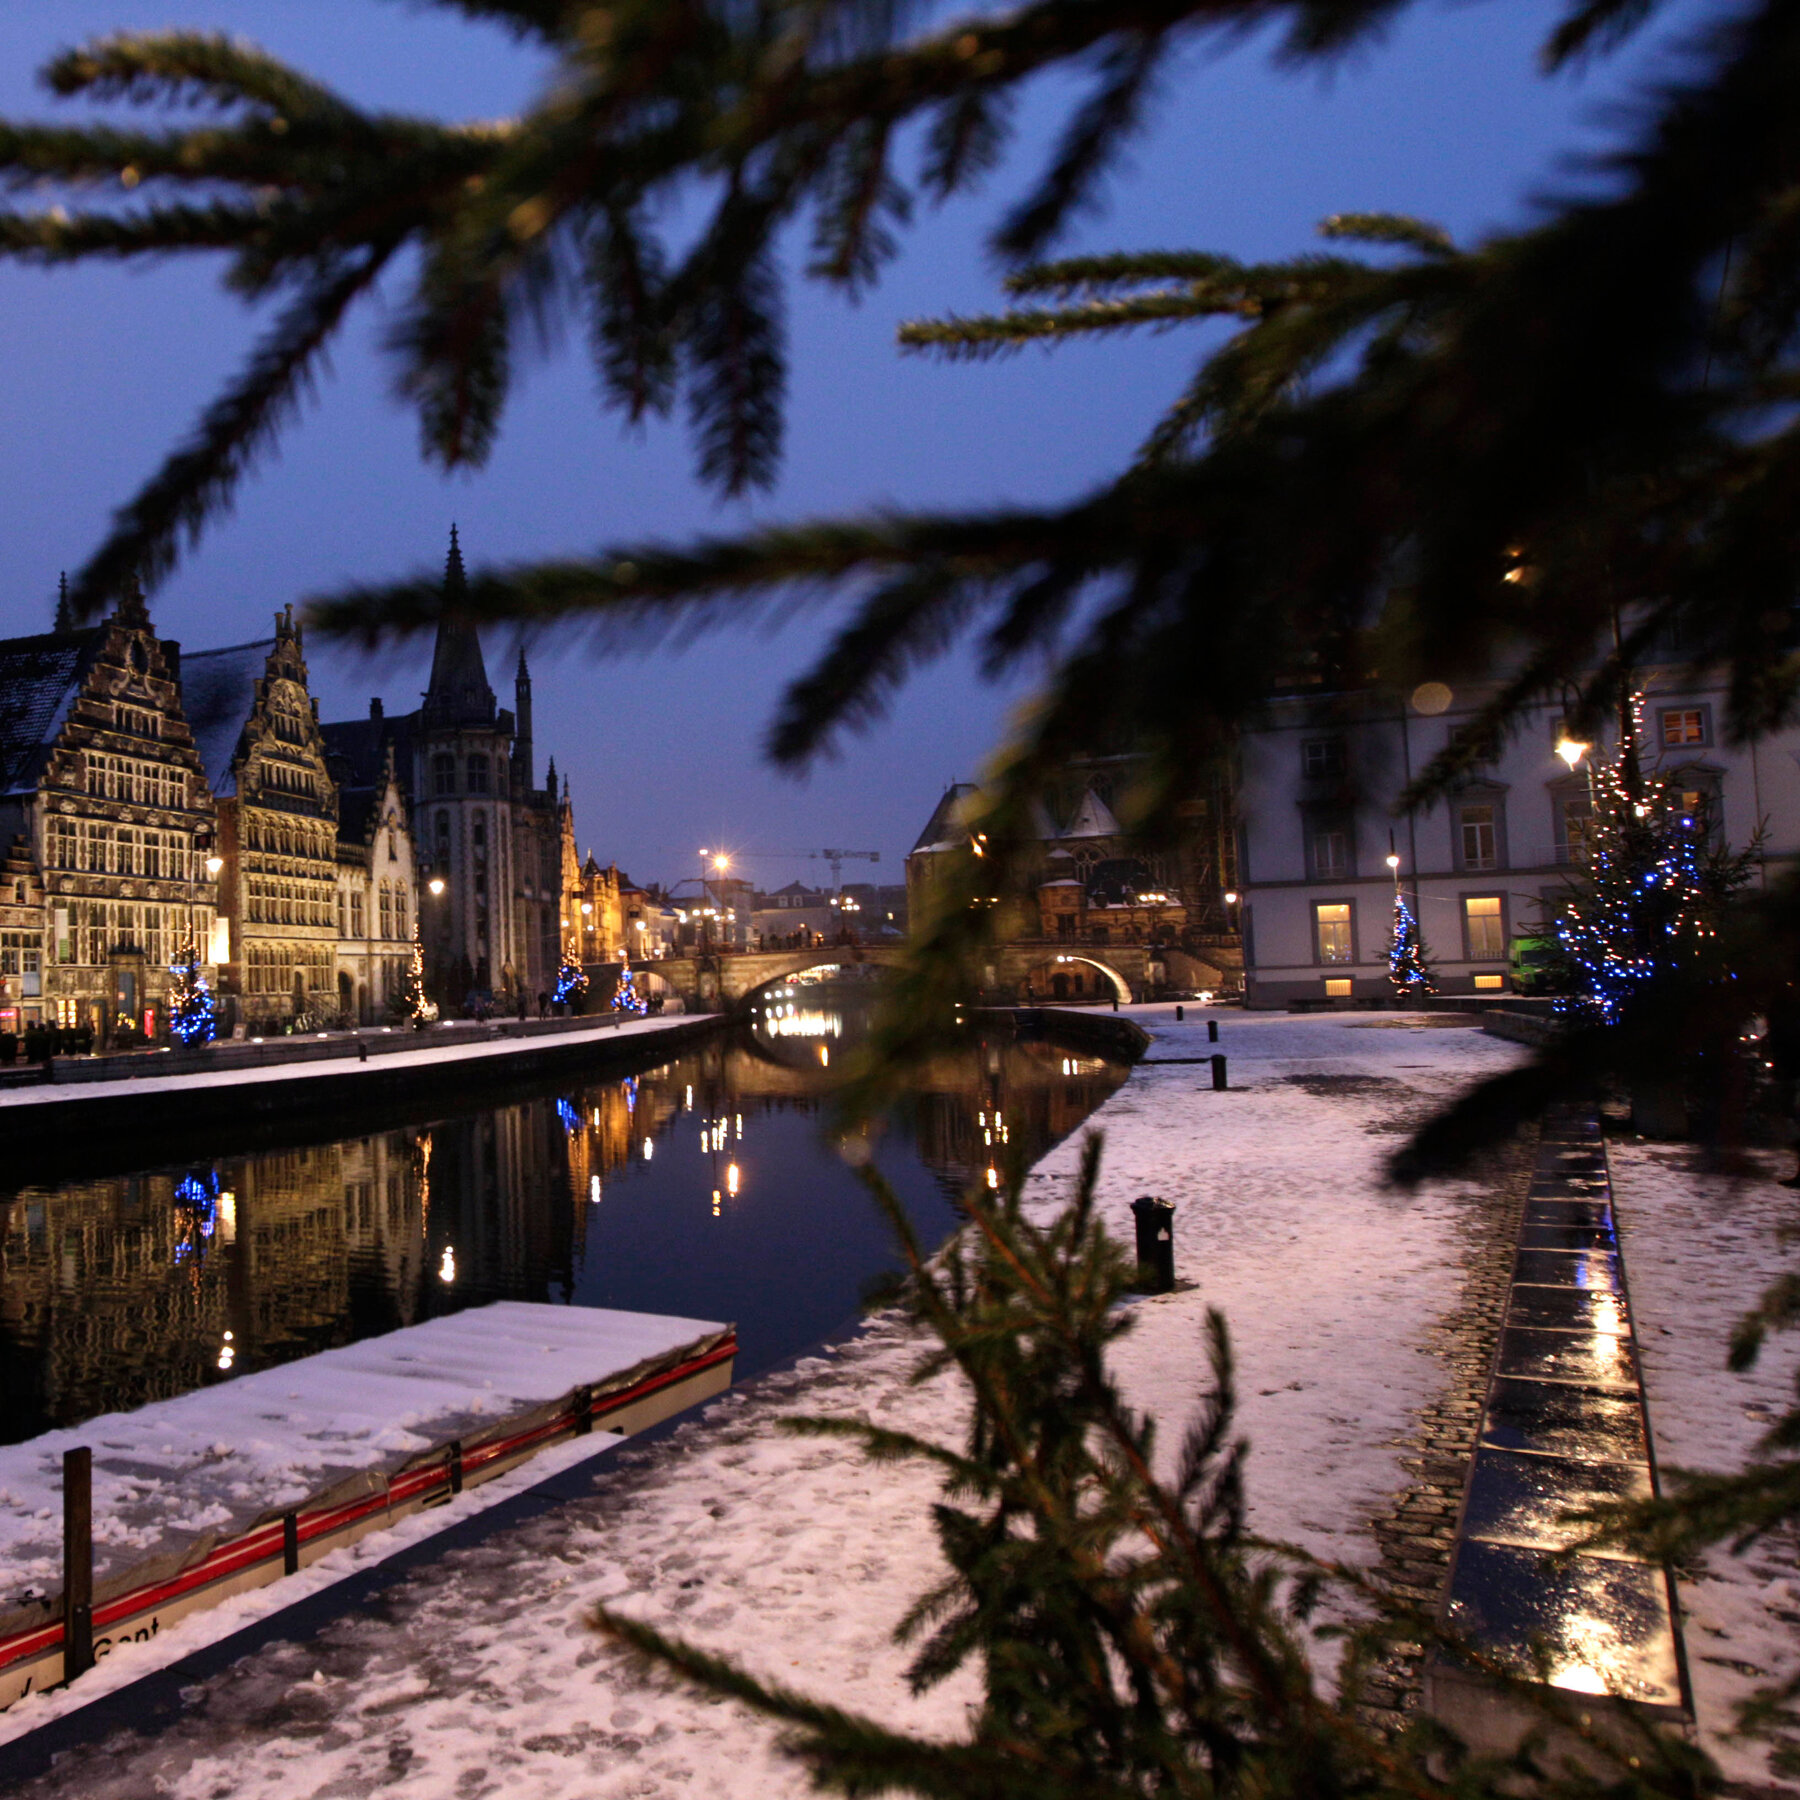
1093	818
39	679
218	690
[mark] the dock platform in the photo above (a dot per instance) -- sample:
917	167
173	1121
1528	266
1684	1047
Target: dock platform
231	1486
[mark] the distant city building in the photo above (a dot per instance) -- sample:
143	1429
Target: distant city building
502	846
256	726
1104	919
1485	866
377	891
105	822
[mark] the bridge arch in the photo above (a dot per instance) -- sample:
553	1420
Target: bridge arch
792	963
1056	975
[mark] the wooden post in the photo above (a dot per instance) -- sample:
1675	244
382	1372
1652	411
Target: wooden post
584	1411
456	1466
78	1562
290	1543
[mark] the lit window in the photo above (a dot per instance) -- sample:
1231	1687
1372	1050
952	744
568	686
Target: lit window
1331	921
1338	987
1486	983
1485	927
1684	725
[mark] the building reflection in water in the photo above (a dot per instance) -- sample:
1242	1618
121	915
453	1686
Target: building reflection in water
700	1187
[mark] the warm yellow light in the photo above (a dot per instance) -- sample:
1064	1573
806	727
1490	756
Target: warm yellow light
587	906
1393	862
1571	750
1231	898
721	862
436	884
732	1178
213	865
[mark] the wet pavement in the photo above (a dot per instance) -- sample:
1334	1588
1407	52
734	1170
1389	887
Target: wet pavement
1564	1428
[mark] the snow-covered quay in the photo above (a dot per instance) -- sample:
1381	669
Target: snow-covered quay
481	1675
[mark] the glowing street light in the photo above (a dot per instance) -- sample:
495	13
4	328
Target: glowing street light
1393	862
1571	750
213	865
436	885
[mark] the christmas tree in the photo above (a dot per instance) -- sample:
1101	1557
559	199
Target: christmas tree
413	1004
190	1004
626	997
571	983
1645	908
1407	968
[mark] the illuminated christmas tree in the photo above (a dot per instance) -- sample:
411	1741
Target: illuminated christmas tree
1649	902
626	997
1407	968
571	983
413	1004
191	1015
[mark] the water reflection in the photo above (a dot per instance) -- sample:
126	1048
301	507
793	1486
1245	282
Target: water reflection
699	1187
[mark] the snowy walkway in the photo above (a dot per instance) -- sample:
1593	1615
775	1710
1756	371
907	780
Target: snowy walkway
481	1676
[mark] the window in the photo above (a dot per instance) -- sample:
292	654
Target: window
1339	987
478	774
1331	925
1478	836
443	773
1681	727
1322	758
400	924
387	911
1484	928
1489	983
1329	846
1574	825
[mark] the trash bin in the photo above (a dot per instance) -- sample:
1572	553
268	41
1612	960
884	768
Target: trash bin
1155	1243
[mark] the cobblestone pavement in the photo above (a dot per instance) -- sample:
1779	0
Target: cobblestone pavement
1418	1534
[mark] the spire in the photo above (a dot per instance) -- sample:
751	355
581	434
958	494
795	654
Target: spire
65	620
459	693
521	750
132	608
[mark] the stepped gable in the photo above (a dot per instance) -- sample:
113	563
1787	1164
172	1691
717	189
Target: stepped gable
218	691
40	678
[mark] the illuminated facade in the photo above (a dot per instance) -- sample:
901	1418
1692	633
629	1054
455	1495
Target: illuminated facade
107	820
257	728
377	893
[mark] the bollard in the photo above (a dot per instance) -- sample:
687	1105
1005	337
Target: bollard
456	1465
1218	1066
584	1411
1115	1002
290	1543
1212	1031
1155	1244
78	1562
1180	1014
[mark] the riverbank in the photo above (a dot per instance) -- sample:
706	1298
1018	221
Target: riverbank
101	1125
479	1676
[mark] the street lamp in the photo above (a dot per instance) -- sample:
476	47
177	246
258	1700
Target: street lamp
1571	750
435	886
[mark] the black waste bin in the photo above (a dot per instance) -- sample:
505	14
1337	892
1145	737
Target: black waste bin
1155	1243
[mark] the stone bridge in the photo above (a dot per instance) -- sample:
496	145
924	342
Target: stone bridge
1043	970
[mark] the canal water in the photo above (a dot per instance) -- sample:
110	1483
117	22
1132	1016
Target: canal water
700	1186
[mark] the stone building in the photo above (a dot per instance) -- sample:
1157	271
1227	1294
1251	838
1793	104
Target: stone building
257	728
377	893
102	791
1487	864
503	847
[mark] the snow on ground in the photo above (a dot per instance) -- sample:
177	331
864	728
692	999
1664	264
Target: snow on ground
215	1462
1699	1250
481	1676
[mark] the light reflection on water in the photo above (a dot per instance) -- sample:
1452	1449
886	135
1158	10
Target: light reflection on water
699	1188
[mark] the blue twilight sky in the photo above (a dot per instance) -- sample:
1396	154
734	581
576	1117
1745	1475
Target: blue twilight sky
102	368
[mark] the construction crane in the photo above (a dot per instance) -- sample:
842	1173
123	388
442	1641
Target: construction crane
837	859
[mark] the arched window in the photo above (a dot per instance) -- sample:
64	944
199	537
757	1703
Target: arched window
387	911
403	929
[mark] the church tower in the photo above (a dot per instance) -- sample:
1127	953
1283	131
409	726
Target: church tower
462	783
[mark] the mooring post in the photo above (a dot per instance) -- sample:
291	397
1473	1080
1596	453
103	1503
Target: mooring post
78	1562
584	1411
1155	1221
456	1465
1180	1014
1218	1068
1212	1031
290	1543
